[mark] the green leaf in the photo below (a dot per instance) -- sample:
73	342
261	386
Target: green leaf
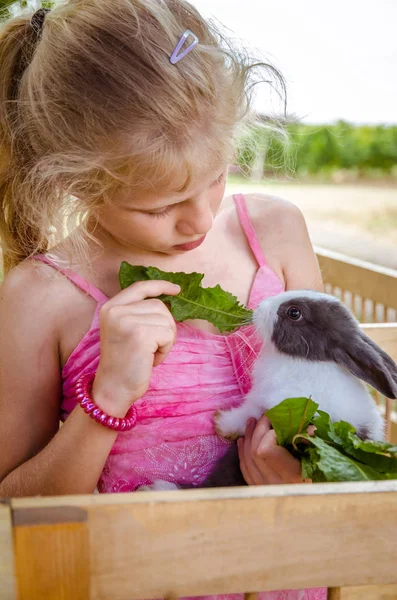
291	417
215	305
378	455
309	461
323	424
336	466
309	466
335	452
129	274
370	446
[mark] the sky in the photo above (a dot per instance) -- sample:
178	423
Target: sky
339	57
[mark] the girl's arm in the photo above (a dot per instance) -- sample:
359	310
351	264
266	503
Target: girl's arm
299	262
37	458
137	332
282	231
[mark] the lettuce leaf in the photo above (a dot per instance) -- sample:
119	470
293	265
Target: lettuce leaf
215	305
291	417
334	452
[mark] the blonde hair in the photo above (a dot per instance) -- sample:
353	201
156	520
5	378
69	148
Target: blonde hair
92	102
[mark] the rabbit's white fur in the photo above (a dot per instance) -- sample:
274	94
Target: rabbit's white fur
277	376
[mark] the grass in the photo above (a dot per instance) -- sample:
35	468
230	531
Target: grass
380	222
383	221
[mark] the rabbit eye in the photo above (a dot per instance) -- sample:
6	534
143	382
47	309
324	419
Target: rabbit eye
294	313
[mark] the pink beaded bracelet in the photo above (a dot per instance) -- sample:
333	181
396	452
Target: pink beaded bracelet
83	393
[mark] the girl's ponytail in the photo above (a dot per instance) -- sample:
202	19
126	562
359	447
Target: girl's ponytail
18	235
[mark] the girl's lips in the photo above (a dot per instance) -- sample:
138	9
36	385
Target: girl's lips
190	245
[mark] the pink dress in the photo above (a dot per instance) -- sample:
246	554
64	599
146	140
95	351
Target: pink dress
174	439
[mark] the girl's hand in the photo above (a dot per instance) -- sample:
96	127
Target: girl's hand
137	333
262	460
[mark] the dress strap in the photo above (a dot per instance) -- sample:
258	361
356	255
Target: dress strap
248	228
75	278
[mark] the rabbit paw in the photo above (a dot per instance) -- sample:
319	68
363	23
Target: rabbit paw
158	486
228	425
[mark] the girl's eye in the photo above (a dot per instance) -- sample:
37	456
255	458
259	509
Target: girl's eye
161	214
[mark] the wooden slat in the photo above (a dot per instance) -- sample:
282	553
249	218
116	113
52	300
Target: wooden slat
334	594
380	313
381	592
383	334
199	542
360	277
7	568
52	553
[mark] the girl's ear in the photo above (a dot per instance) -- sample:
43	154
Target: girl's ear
364	359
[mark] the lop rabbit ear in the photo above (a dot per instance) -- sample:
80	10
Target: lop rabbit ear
364	359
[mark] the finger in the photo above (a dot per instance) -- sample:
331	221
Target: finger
144	289
262	473
279	460
256	476
155	336
147	307
243	467
310	432
268	441
270	471
267	474
311	429
164	348
262	428
250	473
288	467
144	326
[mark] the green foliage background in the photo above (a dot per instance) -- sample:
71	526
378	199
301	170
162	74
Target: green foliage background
322	149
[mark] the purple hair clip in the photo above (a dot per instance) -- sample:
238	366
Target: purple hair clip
175	56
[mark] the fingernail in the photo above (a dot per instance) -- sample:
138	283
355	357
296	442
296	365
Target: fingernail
261	428
262	449
251	422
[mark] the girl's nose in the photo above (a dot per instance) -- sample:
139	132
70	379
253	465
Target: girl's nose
196	219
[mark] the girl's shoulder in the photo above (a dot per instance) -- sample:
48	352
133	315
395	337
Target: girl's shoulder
273	208
271	215
284	238
30	283
35	291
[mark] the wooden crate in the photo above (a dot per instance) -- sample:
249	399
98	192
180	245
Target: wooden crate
370	291
201	542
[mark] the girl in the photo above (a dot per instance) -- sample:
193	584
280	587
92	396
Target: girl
117	120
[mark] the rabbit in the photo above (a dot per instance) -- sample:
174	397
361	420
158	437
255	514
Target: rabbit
313	347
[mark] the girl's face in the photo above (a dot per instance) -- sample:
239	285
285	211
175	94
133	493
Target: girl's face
166	224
